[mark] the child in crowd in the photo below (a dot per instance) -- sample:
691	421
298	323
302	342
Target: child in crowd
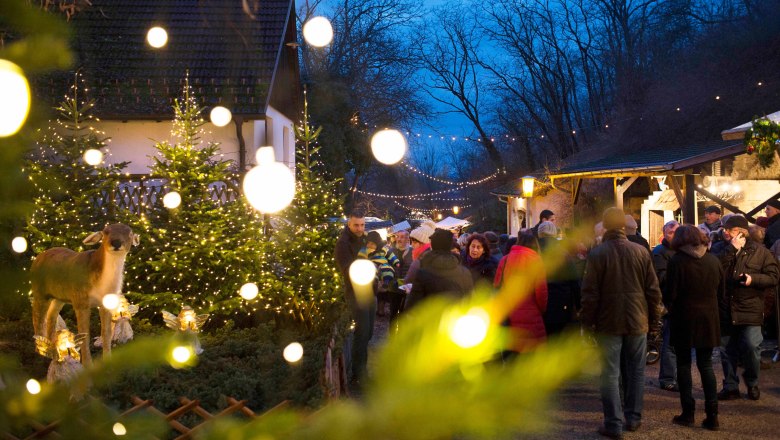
387	265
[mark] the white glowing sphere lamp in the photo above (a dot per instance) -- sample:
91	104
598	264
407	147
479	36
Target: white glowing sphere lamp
249	291
33	386
181	354
470	329
19	244
362	272
318	31
220	116
119	429
93	157
293	352
172	200
157	37
14	98
270	186
388	146
111	301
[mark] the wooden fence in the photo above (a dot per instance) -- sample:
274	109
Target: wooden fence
138	194
179	430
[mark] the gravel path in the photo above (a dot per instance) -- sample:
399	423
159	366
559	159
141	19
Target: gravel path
577	410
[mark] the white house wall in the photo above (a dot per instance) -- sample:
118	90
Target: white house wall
134	141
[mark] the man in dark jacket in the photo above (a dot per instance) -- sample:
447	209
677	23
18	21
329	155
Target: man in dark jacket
349	244
621	302
667	376
403	250
545	216
750	270
773	229
633	236
440	272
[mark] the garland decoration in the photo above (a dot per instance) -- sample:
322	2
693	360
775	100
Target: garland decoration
763	138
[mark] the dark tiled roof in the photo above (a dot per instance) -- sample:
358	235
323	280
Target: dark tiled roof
648	160
231	57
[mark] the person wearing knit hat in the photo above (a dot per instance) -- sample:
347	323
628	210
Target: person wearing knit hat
420	238
621	303
773	224
387	264
750	271
440	272
547	230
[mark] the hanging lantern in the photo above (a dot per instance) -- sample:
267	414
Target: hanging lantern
528	186
318	32
455	210
388	146
14	98
270	186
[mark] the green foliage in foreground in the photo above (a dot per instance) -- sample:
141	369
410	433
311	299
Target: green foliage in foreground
424	385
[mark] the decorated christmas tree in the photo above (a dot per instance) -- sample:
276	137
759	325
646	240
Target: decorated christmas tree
71	196
300	267
200	253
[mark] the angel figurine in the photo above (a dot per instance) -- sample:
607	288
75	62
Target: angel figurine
64	352
120	319
186	322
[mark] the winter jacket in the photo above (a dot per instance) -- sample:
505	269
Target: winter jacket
661	256
695	281
772	231
620	294
638	239
483	268
708	228
387	265
526	316
744	305
440	273
563	286
414	267
348	246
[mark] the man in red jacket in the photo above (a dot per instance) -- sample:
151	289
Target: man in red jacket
620	301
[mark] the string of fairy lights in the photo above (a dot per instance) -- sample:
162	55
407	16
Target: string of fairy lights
432	211
450	182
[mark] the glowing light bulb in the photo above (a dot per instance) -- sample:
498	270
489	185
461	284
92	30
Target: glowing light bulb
388	146
220	116
270	186
157	37
119	429
33	386
181	354
455	210
293	352
470	329
19	244
172	200
318	31
14	98
111	301
93	157
249	291
362	272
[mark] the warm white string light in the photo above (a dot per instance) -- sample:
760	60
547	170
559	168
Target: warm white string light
450	182
429	211
409	196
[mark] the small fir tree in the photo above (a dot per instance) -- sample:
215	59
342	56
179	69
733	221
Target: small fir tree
200	253
300	264
71	197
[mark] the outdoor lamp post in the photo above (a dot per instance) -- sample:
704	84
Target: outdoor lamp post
528	193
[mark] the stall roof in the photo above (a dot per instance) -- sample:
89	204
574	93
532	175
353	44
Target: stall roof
738	132
652	161
452	223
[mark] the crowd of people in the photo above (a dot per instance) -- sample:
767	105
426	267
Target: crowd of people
702	288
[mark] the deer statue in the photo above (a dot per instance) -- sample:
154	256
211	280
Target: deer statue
60	275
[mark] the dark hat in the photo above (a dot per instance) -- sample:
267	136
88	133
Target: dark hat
614	218
491	237
712	209
736	221
375	238
774	203
441	240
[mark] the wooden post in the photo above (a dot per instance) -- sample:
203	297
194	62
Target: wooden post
689	207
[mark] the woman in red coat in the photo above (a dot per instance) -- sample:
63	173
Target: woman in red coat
526	317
